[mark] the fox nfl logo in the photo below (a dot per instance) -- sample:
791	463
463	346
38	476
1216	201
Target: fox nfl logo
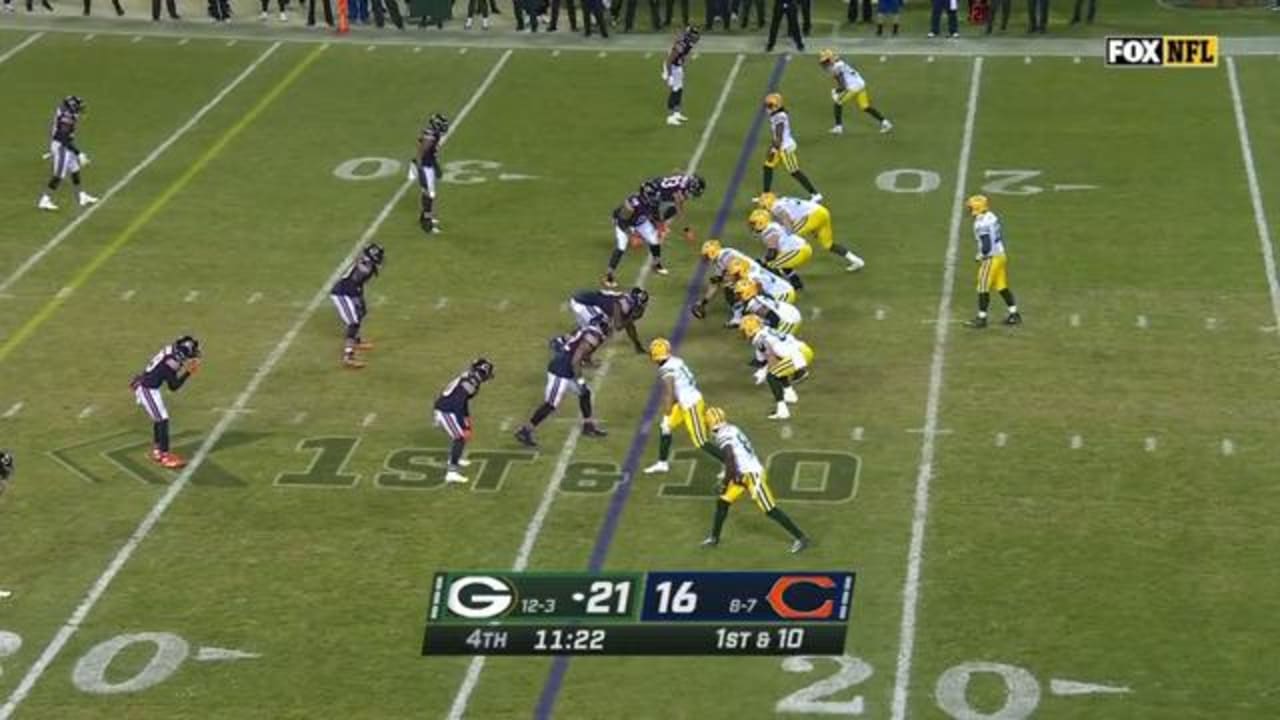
1168	51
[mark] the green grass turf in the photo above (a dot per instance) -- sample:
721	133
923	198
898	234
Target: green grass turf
1106	563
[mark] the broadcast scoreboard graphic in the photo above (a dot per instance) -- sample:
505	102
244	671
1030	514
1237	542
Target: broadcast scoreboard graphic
633	613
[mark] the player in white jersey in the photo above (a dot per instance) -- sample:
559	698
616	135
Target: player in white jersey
744	475
809	220
684	406
783	146
993	264
727	266
785	359
784	251
778	314
850	86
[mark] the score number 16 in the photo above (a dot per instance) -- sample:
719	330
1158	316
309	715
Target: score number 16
676	599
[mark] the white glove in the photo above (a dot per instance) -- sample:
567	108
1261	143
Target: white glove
664	72
760	375
413	171
835	95
83	158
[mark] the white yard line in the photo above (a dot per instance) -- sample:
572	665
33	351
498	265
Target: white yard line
122	556
531	532
20	47
933	403
1255	191
160	149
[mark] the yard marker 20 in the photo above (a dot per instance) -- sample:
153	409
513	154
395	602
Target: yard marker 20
273	358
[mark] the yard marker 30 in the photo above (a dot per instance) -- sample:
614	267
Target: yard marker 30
933	408
273	358
120	184
458	709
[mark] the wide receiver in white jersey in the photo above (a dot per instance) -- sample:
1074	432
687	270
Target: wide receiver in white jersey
785	358
993	263
809	220
684	406
850	85
744	474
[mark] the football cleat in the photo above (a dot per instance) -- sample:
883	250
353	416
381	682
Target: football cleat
710	541
1013	319
608	281
799	545
976	323
351	362
660	269
590	429
453	476
172	461
886	126
363	345
264	16
662	466
463	462
46	203
782	412
525	436
837	130
156	455
681	116
789	395
674	120
816	197
856	264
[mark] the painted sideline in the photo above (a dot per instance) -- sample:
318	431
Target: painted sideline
229	416
618	500
932	411
472	678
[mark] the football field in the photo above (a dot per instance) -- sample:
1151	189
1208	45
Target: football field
1071	518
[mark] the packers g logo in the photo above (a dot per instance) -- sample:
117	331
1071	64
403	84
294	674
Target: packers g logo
1163	51
468	597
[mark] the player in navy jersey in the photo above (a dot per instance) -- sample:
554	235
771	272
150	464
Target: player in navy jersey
638	216
348	296
673	191
453	413
67	159
425	168
673	69
619	310
171	367
6	469
569	354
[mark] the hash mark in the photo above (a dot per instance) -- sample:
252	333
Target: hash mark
505	425
86	412
929	59
1002	439
380	301
299	417
1076	60
884	58
503	304
1228	447
127	295
368	419
785	432
648	55
191	296
1142	321
90	36
418	49
64	292
14	409
231	42
1026	60
602	54
816	313
1077	442
371	48
1150	444
1211	323
254	298
442	303
857	434
1074	320
184	41
881	313
462	51
555	53
136	39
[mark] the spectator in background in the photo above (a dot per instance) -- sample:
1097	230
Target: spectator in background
684	13
382	8
631	13
866	11
746	13
806	6
119	10
358	11
594	9
311	12
220	10
49	8
170	5
1093	10
484	13
953	23
887	13
1003	6
266	11
572	12
787	8
1038	12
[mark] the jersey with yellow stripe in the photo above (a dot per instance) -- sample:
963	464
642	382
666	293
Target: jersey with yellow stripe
793	211
730	438
785	311
779	119
770	284
726	258
847	78
990	237
681	377
782	238
783	346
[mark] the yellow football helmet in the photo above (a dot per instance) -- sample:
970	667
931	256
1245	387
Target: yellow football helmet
714	417
772	101
711	249
766	200
659	349
758	220
746	289
751	325
978	204
738	267
826	57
